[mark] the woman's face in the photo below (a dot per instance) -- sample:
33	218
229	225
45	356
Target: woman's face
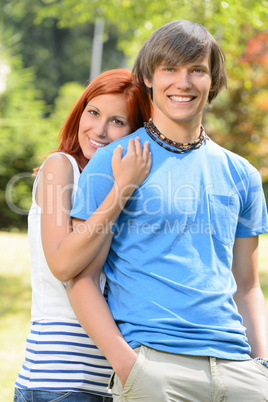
104	120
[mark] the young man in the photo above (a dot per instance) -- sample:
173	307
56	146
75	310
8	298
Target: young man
182	267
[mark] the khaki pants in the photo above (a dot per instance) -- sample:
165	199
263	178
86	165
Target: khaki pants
166	377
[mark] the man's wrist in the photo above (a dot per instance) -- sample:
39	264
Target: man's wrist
125	363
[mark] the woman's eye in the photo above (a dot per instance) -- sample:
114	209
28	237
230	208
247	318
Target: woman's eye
93	112
119	122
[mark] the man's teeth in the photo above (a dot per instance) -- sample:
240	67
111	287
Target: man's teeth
181	98
98	144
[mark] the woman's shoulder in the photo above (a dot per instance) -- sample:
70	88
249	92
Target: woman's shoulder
59	160
57	166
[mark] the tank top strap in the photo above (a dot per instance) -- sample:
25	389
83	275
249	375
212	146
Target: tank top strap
76	174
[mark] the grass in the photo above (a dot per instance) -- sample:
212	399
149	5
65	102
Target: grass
15	304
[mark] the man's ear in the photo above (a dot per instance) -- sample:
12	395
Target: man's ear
148	82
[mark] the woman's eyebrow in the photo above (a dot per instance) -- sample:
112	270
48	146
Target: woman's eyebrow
120	117
95	107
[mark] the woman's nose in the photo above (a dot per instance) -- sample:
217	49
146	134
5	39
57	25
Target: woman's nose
100	129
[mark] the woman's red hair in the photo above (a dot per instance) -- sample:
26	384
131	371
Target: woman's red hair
118	81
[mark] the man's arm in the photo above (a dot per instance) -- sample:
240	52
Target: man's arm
249	297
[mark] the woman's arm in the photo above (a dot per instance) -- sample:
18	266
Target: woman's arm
69	251
249	297
94	315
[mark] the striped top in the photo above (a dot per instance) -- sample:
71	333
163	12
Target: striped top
59	354
61	357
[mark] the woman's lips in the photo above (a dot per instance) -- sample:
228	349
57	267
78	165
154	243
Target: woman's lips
96	144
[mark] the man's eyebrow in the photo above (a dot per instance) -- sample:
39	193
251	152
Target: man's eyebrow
200	65
192	64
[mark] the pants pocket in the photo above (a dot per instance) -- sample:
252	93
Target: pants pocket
18	396
262	363
27	395
133	377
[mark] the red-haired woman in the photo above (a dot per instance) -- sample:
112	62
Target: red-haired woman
61	361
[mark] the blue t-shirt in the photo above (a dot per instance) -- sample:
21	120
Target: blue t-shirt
169	267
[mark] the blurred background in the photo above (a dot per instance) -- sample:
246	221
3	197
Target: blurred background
49	51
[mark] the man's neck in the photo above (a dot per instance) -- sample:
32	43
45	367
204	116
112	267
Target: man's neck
182	131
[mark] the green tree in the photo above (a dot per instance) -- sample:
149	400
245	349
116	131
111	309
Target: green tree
24	136
67	96
36	60
57	55
136	20
22	133
239	118
47	43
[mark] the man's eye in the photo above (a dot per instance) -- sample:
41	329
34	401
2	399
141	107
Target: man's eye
169	69
198	70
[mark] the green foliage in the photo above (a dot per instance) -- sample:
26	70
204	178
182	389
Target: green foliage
22	132
41	59
57	55
25	134
265	189
47	46
136	20
239	119
68	95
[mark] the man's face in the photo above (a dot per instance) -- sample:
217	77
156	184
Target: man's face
180	92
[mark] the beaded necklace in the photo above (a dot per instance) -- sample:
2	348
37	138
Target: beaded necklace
180	147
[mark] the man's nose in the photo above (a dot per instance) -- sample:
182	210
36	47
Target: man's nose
183	80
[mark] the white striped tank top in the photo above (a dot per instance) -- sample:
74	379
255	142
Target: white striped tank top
59	354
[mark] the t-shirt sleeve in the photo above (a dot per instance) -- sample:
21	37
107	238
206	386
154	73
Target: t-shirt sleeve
94	184
253	217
